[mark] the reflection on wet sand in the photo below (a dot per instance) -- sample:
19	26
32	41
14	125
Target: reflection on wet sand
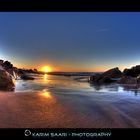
46	94
35	111
117	88
52	110
60	102
135	89
45	77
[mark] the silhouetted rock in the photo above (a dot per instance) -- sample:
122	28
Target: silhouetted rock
7	65
1	62
6	81
127	80
134	71
92	78
106	77
20	72
113	73
138	79
26	77
106	80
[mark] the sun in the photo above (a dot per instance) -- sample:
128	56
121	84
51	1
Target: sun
46	69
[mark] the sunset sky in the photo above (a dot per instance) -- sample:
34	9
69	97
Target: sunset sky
70	41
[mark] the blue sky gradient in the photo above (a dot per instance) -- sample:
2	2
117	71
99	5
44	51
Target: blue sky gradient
71	41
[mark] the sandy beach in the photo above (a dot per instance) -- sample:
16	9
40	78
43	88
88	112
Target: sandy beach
60	110
69	70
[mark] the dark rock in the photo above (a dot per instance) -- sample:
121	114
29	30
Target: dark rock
113	73
7	65
20	72
26	77
134	71
138	79
6	81
1	62
106	80
92	78
106	77
127	80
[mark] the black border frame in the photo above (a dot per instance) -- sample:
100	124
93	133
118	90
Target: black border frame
69	6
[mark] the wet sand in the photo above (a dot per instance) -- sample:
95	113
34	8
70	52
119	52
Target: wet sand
58	110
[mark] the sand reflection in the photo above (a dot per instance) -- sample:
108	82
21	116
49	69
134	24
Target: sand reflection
46	94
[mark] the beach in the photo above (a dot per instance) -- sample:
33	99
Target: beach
68	108
69	70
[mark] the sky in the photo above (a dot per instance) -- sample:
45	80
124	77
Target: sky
70	41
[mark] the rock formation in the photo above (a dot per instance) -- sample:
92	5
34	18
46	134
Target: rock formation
134	71
26	77
127	80
129	76
7	80
106	77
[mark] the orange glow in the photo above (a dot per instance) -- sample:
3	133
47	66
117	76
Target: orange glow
45	77
46	69
46	94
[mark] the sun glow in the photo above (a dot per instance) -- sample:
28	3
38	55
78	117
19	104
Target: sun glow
46	94
46	69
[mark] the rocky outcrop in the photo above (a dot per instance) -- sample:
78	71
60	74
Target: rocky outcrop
26	77
7	76
138	79
113	73
127	80
134	71
6	81
106	77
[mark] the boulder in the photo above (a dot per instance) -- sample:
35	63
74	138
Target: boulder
11	71
6	81
105	80
138	79
127	80
113	73
92	78
20	72
134	71
26	77
106	77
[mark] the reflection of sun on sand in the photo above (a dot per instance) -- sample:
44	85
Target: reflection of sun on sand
46	94
52	110
33	110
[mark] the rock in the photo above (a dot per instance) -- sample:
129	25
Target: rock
138	79
92	78
1	68
20	72
127	80
106	77
7	65
105	80
6	81
113	73
10	71
26	77
134	71
1	62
